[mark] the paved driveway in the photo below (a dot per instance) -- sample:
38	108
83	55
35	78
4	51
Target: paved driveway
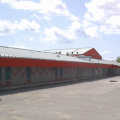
95	99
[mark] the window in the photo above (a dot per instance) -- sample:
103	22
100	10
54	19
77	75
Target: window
78	71
28	72
81	71
52	68
8	73
0	74
56	71
104	70
92	71
61	71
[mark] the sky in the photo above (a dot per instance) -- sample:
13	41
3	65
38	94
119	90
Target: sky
61	24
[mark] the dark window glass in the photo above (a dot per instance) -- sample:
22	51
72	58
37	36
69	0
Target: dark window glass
28	72
104	71
56	71
93	71
78	71
0	74
61	71
7	73
52	68
81	71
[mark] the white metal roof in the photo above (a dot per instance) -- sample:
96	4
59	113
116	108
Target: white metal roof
105	62
32	54
65	51
81	50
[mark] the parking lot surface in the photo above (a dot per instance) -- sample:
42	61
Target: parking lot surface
94	99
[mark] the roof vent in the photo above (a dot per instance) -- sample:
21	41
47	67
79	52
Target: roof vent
77	54
67	54
58	55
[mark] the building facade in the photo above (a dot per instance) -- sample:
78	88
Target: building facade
20	67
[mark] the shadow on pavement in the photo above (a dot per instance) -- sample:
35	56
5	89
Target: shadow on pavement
45	86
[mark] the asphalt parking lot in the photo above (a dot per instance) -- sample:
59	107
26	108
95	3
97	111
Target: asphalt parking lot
94	99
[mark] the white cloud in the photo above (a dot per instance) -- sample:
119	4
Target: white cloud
7	27
112	25
19	45
106	13
87	16
55	34
90	29
53	7
28	26
36	16
47	17
23	4
31	39
74	18
75	27
107	55
105	52
48	7
109	59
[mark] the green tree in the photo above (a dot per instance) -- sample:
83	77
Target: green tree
118	59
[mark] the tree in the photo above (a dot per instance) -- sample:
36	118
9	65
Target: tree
118	59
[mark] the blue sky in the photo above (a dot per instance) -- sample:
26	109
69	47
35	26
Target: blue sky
60	24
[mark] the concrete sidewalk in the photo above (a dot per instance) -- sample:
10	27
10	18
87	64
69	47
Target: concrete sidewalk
95	99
